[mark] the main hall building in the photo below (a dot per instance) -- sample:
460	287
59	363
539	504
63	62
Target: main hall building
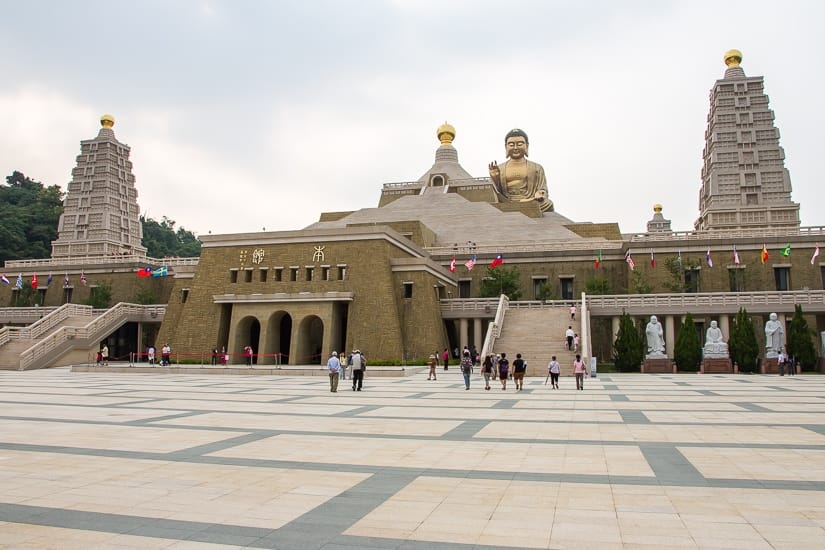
404	278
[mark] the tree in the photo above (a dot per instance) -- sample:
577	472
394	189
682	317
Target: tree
546	291
676	267
597	285
29	215
100	296
639	283
743	347
146	296
162	239
501	280
799	343
688	349
628	349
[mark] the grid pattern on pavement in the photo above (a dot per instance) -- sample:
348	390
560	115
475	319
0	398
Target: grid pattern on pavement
109	460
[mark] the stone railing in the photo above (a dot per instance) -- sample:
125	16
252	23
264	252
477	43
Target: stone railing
60	340
721	302
89	261
20	315
725	234
48	322
494	328
469	304
451	182
588	246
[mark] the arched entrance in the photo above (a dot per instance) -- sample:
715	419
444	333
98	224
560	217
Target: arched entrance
310	341
279	336
248	333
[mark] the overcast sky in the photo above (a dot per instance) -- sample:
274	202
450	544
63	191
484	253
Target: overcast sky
250	114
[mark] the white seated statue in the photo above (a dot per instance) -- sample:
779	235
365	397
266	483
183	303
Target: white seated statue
714	346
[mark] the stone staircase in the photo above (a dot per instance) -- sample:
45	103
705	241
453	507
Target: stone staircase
538	334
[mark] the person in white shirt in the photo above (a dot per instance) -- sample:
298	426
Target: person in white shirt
333	365
568	335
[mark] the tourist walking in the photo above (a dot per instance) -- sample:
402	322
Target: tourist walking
578	369
519	368
104	355
487	370
572	312
358	363
576	341
333	365
214	356
247	351
553	370
165	355
466	368
342	359
150	355
432	362
503	370
445	357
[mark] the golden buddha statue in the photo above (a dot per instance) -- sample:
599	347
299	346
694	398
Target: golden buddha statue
518	179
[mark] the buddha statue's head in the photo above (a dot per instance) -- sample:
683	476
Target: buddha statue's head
516	144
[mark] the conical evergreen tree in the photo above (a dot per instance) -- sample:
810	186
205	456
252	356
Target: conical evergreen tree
799	344
688	349
744	349
628	349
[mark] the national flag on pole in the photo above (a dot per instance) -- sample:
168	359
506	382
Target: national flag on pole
629	259
735	256
599	259
470	263
4	279
19	283
452	265
765	255
145	272
679	260
708	258
49	280
786	251
816	253
497	261
652	260
66	281
82	278
162	271
34	281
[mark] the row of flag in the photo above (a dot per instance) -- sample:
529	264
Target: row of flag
147	271
764	255
471	263
35	284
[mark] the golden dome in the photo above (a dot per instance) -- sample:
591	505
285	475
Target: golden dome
107	121
733	58
657	208
445	134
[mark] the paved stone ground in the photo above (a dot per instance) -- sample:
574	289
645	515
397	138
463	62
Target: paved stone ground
147	461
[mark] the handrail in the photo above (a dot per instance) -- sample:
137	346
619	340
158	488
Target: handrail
494	328
714	299
49	321
43	348
726	234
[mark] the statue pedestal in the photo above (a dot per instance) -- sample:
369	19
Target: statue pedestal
718	366
769	366
659	366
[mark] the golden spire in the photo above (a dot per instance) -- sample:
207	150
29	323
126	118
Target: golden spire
657	208
107	121
445	134
733	58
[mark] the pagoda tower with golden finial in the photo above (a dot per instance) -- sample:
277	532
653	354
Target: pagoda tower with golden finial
100	212
745	184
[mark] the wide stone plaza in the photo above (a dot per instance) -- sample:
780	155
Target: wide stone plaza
105	460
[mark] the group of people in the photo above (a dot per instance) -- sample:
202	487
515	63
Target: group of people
338	365
165	355
571	339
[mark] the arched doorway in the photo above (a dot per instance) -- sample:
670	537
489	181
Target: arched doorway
279	336
310	341
248	333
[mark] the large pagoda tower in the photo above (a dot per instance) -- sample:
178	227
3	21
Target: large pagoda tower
100	212
745	184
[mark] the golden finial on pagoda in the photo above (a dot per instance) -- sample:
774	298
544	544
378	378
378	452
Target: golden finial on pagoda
733	58
657	208
445	134
107	121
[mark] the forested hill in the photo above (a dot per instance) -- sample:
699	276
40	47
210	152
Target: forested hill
30	211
